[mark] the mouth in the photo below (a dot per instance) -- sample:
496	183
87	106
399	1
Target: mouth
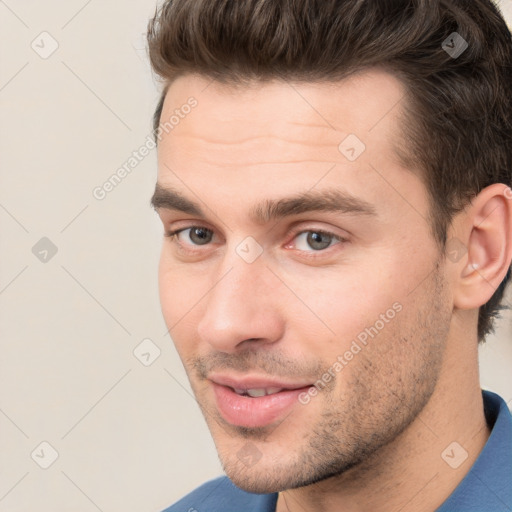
252	402
257	392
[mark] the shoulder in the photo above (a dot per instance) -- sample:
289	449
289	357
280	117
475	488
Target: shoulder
221	495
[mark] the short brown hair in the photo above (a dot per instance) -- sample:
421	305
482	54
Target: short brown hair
458	111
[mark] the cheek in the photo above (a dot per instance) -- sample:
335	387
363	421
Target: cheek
366	310
341	304
180	290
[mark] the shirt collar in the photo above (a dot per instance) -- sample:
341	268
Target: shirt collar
488	484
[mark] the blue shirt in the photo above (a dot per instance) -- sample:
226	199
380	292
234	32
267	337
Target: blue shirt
487	487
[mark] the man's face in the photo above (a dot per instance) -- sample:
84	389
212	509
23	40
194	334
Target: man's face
352	297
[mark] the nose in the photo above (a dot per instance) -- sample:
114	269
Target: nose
241	306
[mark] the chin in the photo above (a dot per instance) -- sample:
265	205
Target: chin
257	484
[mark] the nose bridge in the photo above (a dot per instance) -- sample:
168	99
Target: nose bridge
241	273
239	305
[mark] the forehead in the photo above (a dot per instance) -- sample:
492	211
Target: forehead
268	138
280	121
367	103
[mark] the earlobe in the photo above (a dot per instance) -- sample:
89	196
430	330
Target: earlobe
488	240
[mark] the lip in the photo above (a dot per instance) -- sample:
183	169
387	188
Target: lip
245	411
255	382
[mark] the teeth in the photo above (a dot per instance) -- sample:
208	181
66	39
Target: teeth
255	393
271	391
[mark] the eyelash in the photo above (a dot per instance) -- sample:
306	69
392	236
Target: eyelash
308	254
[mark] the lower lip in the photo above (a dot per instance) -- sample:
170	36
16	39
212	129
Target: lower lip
245	411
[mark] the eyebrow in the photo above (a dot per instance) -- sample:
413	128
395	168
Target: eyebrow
330	200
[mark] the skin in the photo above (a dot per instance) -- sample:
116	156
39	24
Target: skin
372	439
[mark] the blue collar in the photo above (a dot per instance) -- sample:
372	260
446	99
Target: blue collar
488	485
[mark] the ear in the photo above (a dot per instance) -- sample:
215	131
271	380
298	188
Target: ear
486	233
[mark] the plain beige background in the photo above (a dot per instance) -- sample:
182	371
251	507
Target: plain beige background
127	436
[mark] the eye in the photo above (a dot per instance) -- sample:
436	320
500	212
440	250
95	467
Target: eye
309	241
198	235
316	240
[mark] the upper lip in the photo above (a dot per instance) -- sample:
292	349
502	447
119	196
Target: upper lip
255	382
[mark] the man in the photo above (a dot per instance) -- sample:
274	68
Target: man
334	185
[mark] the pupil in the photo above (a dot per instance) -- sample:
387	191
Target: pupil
317	241
199	235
